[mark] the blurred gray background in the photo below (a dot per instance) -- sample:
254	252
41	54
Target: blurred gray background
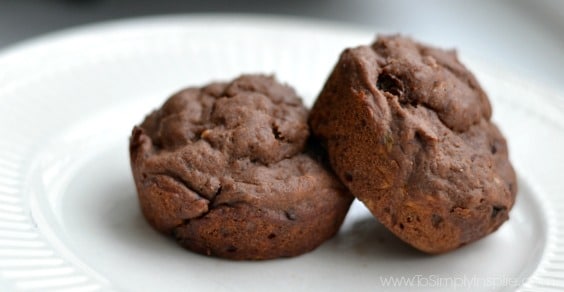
527	37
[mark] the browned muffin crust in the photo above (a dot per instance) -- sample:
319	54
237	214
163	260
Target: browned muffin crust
407	129
224	169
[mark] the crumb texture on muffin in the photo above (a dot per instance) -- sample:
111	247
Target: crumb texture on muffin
407	128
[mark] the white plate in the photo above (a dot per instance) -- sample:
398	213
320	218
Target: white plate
69	217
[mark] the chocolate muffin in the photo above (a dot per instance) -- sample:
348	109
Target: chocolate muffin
229	171
407	128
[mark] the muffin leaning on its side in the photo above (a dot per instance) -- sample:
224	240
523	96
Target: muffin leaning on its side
407	129
227	170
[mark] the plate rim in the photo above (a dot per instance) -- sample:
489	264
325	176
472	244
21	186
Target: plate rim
549	94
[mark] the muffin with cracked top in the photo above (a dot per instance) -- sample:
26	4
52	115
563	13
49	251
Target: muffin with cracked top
229	171
407	129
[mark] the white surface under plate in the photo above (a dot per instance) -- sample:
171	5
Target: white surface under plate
69	217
